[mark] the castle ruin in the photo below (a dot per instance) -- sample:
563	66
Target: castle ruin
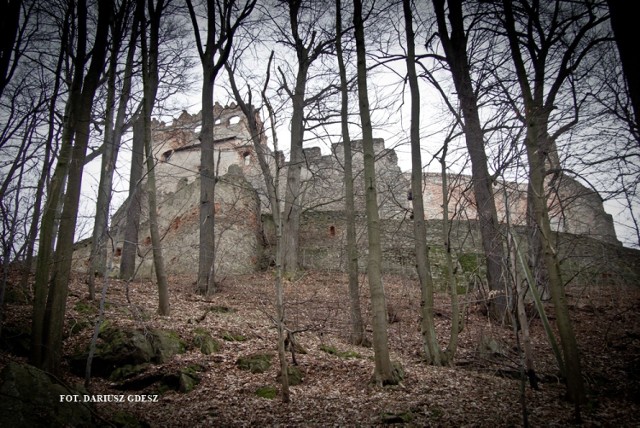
244	229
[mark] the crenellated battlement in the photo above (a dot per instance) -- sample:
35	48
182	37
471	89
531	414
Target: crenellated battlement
242	207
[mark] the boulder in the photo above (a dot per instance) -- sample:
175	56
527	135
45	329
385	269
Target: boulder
120	348
255	363
30	399
204	342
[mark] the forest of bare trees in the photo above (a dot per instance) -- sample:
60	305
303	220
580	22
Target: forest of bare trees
528	91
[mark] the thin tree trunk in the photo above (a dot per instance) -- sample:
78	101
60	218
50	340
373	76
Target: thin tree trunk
271	183
114	124
133	207
156	241
355	312
539	146
213	56
575	385
455	48
150	85
623	23
384	373
433	353
54	195
206	269
451	279
57	296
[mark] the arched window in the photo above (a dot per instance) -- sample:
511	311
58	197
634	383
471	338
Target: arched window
246	157
166	156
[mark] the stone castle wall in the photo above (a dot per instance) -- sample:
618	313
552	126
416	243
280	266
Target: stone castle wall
243	213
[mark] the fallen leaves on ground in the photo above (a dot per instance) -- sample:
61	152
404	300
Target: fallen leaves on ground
478	390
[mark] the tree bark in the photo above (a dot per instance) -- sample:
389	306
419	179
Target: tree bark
355	312
455	47
271	183
539	147
133	207
383	374
623	23
114	124
213	56
451	279
56	301
433	353
150	88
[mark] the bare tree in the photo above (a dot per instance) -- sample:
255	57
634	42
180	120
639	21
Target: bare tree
623	23
133	203
309	45
384	373
432	350
115	117
454	44
223	18
48	332
561	35
15	34
149	49
271	180
357	325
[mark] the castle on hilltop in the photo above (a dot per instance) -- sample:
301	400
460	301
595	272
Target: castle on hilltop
244	227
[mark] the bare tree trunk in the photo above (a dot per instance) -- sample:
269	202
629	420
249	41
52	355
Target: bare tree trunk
112	140
433	353
384	373
272	185
54	195
9	26
56	300
223	19
156	241
133	207
150	87
292	199
540	148
623	23
451	279
540	210
455	48
355	312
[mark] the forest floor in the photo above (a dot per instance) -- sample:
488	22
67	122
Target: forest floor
482	388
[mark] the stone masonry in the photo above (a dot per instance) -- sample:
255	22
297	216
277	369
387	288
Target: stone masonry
244	227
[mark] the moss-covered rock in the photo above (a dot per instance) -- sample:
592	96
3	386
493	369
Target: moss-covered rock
166	344
127	371
398	371
16	338
342	354
233	337
31	399
204	342
127	420
118	348
295	376
390	418
255	363
269	392
185	380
